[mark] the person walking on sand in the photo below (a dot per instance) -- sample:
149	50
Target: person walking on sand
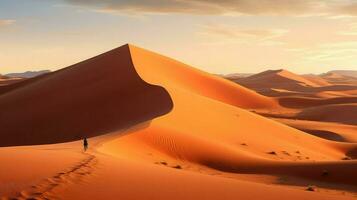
85	144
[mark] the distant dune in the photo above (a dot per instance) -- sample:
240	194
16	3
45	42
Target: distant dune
343	113
3	77
5	80
352	73
270	81
236	76
28	74
318	80
335	77
329	97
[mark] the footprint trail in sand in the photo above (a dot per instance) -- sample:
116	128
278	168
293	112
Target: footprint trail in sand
46	188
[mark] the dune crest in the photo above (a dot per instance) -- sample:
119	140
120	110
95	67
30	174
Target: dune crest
171	74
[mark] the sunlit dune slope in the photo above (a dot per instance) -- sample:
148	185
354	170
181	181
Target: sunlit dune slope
318	80
93	97
169	73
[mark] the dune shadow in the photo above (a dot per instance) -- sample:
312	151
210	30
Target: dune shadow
329	135
97	96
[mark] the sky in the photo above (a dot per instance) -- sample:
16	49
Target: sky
222	37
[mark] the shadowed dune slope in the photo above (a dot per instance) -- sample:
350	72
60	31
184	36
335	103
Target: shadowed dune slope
93	97
304	102
342	113
20	82
327	130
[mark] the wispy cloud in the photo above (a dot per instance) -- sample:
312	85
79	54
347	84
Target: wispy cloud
224	33
351	31
333	51
224	7
6	22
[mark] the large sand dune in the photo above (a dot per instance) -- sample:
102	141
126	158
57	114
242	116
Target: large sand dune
190	136
90	98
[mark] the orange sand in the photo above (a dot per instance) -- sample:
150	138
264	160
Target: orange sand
190	136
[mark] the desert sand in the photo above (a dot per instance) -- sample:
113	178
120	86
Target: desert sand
160	129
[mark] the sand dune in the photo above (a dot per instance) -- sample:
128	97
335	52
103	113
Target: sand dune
160	70
177	133
264	82
351	73
304	102
5	80
28	74
90	98
189	135
331	131
343	113
318	80
3	77
279	83
339	78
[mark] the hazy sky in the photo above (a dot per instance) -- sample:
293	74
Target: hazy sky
226	36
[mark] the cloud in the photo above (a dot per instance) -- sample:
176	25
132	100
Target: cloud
230	31
333	51
6	22
205	7
351	31
223	33
222	7
348	8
